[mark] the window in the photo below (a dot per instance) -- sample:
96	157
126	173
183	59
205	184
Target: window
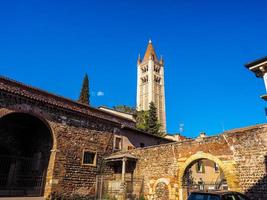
144	69
142	145
144	79
130	147
200	167
117	143
216	167
157	69
157	79
89	158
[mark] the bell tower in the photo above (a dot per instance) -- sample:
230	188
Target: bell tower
150	84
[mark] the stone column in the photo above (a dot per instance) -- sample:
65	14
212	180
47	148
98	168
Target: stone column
123	169
123	183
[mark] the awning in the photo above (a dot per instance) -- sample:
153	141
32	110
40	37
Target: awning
120	157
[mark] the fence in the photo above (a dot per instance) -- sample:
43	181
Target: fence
110	187
206	186
20	176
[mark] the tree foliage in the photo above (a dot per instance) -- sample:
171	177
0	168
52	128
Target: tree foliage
126	109
141	118
146	121
85	95
153	124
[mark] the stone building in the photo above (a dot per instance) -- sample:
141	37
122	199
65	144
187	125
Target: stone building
235	160
53	145
240	155
259	68
50	144
150	84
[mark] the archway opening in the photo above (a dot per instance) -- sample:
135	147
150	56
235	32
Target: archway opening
25	145
203	175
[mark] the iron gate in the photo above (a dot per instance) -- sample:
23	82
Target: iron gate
21	176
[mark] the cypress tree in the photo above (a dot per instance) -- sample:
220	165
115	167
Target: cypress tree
84	95
153	124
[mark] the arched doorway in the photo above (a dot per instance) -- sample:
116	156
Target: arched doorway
227	167
25	145
204	175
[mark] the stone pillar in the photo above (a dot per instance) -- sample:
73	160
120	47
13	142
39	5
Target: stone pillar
123	169
181	194
123	183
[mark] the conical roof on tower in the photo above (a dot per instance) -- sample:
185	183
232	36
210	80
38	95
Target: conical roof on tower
150	52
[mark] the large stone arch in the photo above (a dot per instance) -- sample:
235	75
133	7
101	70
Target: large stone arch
228	168
47	183
4	112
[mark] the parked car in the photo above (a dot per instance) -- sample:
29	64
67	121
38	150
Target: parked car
217	195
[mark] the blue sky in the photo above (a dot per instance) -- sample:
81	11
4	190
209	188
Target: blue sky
205	44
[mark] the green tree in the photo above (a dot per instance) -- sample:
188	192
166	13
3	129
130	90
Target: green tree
84	95
146	121
153	124
141	118
124	108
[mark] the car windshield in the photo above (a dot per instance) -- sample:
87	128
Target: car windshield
200	196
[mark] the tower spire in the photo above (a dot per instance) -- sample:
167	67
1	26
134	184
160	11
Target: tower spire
150	52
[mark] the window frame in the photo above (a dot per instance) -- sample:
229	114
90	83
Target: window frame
95	158
114	143
203	168
216	168
142	145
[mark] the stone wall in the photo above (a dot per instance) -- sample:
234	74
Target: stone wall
70	175
240	153
74	128
66	174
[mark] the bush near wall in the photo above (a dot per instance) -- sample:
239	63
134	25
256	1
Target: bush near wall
55	196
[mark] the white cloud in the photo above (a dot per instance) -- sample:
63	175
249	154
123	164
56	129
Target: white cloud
100	93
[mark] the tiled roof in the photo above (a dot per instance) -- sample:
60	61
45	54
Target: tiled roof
255	62
36	94
150	51
29	92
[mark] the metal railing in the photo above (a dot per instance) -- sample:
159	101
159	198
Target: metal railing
108	187
207	186
20	176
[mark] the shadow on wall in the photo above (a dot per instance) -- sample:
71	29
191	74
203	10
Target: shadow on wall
259	190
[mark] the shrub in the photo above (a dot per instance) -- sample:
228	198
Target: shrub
56	196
